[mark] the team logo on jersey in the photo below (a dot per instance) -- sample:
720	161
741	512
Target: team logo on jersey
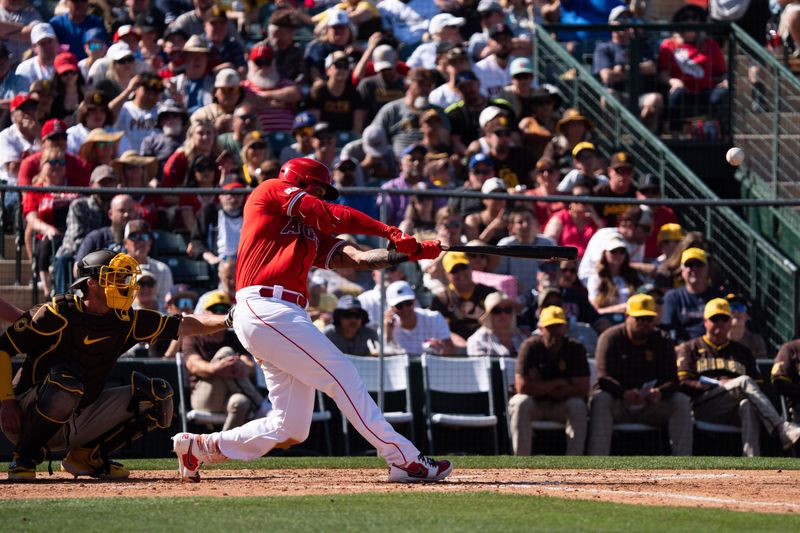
295	227
290	190
21	324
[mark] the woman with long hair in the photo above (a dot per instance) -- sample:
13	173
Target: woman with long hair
420	215
491	223
202	174
93	113
68	89
615	280
253	155
547	179
576	225
120	71
498	335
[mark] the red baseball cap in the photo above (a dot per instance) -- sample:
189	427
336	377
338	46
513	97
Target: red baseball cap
261	52
65	62
20	100
52	127
124	30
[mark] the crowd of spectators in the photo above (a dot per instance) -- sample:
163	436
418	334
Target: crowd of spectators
413	96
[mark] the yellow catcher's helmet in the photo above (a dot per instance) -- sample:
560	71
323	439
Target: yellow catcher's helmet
116	273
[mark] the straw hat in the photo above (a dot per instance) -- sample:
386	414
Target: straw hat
493	300
98	135
130	157
572	115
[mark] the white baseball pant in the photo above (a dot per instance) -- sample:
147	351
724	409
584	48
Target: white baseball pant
297	359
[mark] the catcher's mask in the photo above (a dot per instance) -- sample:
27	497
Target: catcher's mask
116	273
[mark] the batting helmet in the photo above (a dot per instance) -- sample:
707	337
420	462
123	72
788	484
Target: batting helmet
303	172
116	273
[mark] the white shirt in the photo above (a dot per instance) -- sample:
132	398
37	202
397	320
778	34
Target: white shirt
407	24
424	56
76	136
443	96
371	303
493	77
595	248
430	325
32	70
163	276
569	181
136	124
14	147
229	230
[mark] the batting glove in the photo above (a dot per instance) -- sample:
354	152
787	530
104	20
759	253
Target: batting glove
229	318
427	250
403	243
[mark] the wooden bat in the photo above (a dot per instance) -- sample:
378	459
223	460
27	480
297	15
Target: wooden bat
526	251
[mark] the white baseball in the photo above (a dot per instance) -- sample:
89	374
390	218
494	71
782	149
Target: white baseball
735	156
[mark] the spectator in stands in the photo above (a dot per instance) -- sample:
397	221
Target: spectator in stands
146	296
324	142
288	55
412	160
620	185
143	12
135	171
114	73
54	135
195	86
173	43
385	85
84	215
68	88
253	155
615	280
493	69
19	19
221	370
191	22
364	18
42	92
338	35
335	99
215	235
462	301
637	381
649	186
693	67
100	147
70	27
491	223
785	376
370	299
520	93
349	330
789	25
523	229
93	113
669	237
455	61
137	118
683	307
491	14
171	123
571	129
449	230
576	225
420	216
479	169
227	96
668	274
273	98
409	327
634	225
373	155
203	174
498	335
109	237
578	330
465	112
723	380
552	382
18	140
226	273
224	46
149	47
435	137
545	101
245	120
45	46
612	64
138	243
739	331
443	28
302	131
407	21
511	163
95	47
588	166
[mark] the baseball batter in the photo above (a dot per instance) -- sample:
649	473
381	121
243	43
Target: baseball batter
287	230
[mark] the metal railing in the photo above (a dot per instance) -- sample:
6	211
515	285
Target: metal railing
753	266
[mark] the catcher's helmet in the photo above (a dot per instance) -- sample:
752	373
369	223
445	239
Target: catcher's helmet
303	172
114	272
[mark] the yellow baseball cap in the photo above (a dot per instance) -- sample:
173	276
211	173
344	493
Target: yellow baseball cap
717	306
451	259
641	305
552	315
581	146
217	298
693	254
670	232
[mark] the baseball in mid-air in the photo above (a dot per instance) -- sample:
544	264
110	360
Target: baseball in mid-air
735	156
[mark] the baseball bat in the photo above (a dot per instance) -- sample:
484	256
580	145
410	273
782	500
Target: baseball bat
527	251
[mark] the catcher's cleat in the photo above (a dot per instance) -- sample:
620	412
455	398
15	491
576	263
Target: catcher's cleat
422	470
21	469
87	462
193	451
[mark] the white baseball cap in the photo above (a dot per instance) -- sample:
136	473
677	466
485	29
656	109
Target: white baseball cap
615	241
43	30
488	114
227	77
384	57
493	185
337	17
374	141
443	20
119	50
399	292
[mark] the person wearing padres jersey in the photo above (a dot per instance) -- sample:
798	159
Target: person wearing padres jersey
552	382
722	379
287	230
636	381
786	375
58	401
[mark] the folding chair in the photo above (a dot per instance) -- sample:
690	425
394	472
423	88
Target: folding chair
458	378
168	243
189	271
192	415
395	380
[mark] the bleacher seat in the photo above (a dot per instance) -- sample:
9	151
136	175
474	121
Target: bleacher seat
168	243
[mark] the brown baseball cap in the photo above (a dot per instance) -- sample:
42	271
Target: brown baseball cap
420	74
621	159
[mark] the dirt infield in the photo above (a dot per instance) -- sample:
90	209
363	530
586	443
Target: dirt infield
740	490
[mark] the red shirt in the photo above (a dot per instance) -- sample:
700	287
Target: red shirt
570	235
78	171
661	215
696	67
275	247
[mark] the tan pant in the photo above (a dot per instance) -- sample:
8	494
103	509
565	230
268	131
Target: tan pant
239	398
524	409
739	401
675	412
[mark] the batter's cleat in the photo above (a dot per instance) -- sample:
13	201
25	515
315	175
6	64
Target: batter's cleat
193	451
789	433
87	462
422	470
21	469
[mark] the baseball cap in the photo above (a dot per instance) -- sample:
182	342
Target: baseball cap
125	30
571	115
66	62
550	316
337	17
20	100
213	13
412	148
227	77
544	294
322	127
487	6
217	298
118	51
349	303
53	127
170	106
493	300
493	185
374	141
145	273
283	18
254	137
90	265
619	12
399	292
102	172
649	182
641	305
333	57
615	242
443	20
41	31
717	306
488	114
136	226
478	158
670	232
384	57
195	44
346	164
233	181
694	254
620	159
181	296
144	23
95	34
500	29
451	259
174	30
303	119
521	65
465	76
261	51
581	146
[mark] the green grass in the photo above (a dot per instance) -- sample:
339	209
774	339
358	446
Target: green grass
417	512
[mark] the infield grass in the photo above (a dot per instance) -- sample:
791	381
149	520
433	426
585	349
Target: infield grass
418	512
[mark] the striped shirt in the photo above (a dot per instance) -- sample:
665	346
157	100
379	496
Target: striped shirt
272	118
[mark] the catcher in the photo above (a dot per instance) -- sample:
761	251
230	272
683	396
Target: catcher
58	401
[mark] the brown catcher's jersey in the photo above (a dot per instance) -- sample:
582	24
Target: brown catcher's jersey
61	332
786	370
699	357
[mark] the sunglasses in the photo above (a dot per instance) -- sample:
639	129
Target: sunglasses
139	237
147	283
502	310
104	144
185	303
645	319
694	264
246	116
258	146
57	162
645	227
503	133
459	268
738	308
70	73
262	63
719	319
481	171
219	309
353	314
228	90
407	303
618	251
125	60
342	65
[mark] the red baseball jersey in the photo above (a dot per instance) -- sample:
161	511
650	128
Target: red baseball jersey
276	247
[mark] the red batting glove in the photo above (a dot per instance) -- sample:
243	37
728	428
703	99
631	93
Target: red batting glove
403	243
427	250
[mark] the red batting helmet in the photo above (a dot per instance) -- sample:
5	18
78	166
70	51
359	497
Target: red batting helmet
303	172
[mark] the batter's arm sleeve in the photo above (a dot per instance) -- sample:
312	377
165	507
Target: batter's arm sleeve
348	256
334	218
